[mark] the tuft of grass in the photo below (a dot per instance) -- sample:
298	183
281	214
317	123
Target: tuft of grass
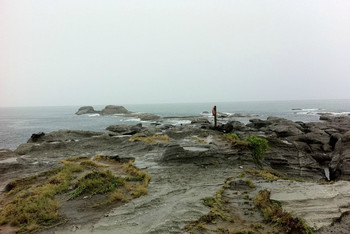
118	195
77	158
258	146
273	212
271	175
236	141
249	183
138	189
209	201
199	140
134	171
149	139
90	164
36	208
97	182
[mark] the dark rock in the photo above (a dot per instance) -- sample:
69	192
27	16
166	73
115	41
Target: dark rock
285	130
112	110
86	110
36	137
118	128
257	123
200	121
125	129
136	127
238	126
225	128
340	164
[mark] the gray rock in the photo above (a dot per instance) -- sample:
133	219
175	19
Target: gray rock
258	123
36	137
118	128
148	117
112	110
86	110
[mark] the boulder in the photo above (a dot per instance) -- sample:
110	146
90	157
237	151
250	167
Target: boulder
285	130
86	110
112	110
118	128
258	123
125	129
340	164
200	121
36	137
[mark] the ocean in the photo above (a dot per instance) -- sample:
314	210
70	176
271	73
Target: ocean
18	123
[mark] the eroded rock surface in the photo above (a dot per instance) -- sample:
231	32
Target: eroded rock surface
195	163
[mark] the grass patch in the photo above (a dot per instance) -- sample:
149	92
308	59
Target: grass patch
199	140
36	208
137	190
149	139
273	212
271	175
97	182
91	164
134	171
249	183
30	203
77	158
217	211
258	146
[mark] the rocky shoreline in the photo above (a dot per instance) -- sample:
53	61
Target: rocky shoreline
195	163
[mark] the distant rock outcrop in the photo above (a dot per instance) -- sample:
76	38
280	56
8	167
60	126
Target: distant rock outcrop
86	110
112	110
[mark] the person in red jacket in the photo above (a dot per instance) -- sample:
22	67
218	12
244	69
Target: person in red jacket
214	114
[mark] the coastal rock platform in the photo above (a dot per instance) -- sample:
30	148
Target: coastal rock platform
194	163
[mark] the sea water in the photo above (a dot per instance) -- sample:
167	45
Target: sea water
18	123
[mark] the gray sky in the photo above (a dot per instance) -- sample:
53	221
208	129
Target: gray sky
83	52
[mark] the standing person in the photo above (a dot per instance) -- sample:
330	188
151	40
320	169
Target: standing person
214	114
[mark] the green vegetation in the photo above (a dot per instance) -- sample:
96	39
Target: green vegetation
258	146
273	212
138	189
236	141
249	183
149	139
37	207
269	175
217	211
97	182
30	203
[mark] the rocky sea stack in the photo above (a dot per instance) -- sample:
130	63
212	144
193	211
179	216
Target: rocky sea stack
108	110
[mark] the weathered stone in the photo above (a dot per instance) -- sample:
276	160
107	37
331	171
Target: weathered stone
36	137
148	117
112	110
86	110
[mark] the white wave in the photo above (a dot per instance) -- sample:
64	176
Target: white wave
306	113
93	115
133	120
179	122
335	113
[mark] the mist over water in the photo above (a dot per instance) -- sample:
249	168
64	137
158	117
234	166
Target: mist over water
18	123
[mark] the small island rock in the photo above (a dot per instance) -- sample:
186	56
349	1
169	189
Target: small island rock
86	110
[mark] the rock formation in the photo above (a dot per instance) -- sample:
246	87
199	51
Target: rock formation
194	165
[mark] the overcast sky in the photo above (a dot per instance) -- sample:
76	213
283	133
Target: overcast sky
83	52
